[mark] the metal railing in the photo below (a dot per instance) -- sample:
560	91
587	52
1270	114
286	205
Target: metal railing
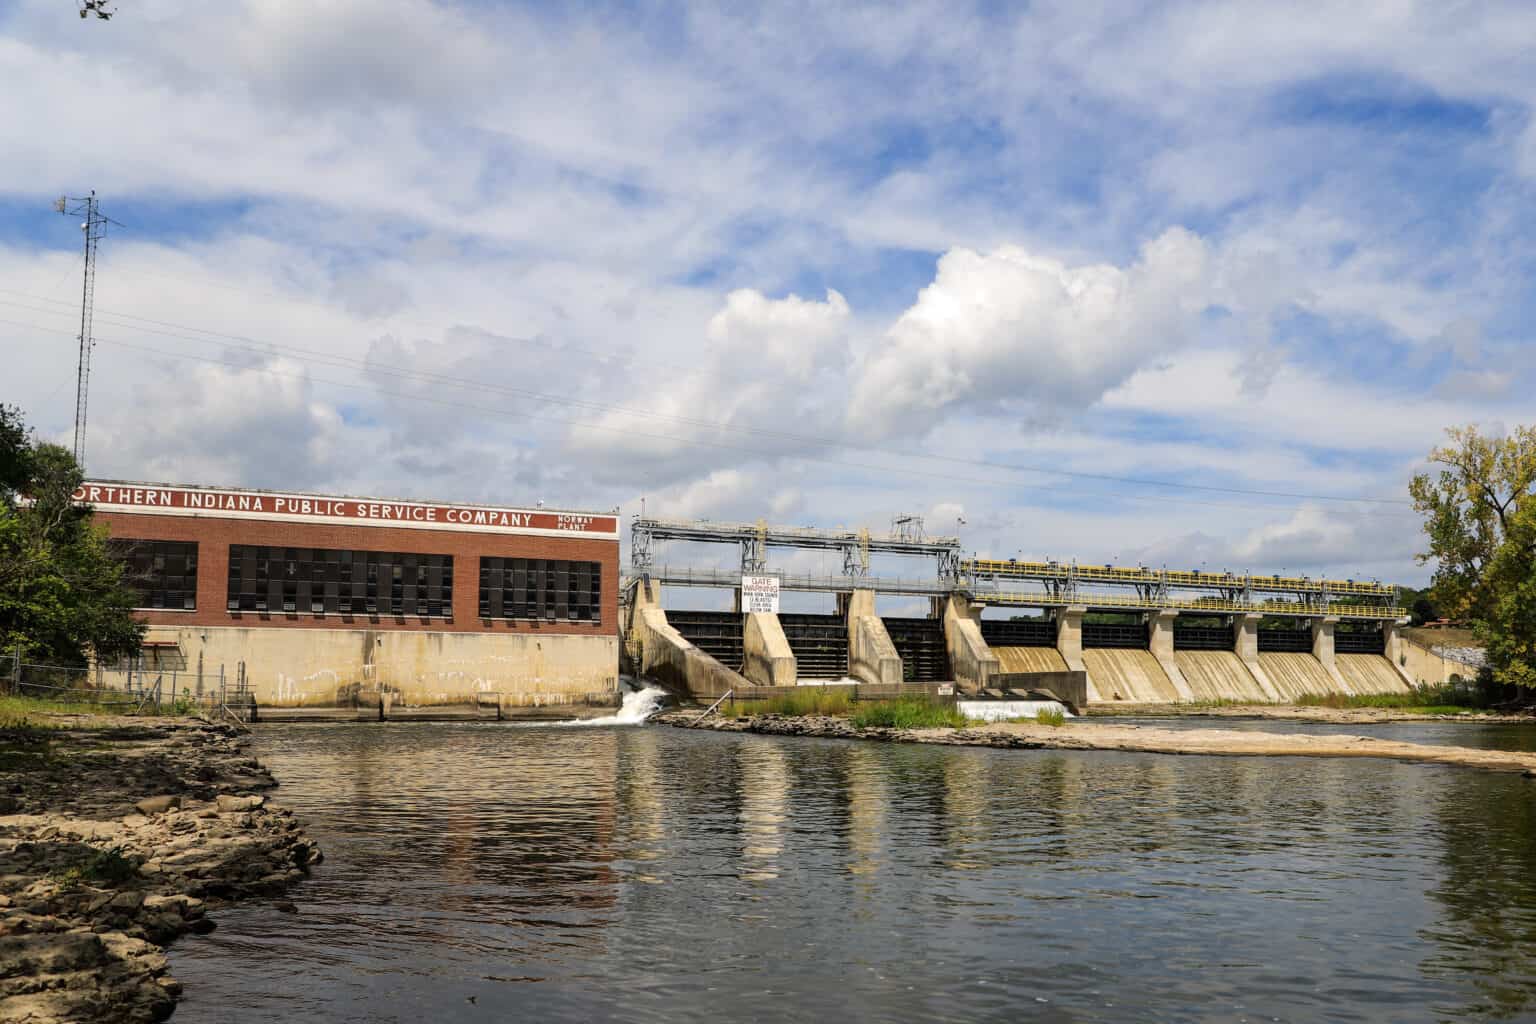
130	688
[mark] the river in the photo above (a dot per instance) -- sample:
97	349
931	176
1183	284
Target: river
500	873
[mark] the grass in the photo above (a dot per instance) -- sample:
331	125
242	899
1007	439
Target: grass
1051	716
908	713
20	712
107	867
1453	698
806	700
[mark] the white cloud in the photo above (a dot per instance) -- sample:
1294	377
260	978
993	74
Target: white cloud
1017	330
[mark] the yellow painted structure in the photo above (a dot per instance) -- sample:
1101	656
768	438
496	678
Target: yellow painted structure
1043	599
1139	575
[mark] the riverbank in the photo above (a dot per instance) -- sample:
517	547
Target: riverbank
117	835
1304	713
1082	735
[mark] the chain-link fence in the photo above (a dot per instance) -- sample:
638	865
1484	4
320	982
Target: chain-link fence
130	686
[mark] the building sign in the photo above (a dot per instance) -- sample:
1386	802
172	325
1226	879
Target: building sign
760	594
154	499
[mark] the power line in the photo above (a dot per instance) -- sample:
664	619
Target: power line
505	413
344	362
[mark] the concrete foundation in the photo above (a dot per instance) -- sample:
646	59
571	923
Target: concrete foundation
766	657
970	659
312	667
872	658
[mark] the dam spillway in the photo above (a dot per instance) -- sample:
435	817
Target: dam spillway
1370	673
1127	674
1218	676
1296	675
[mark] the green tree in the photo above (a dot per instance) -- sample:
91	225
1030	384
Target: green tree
1480	518
62	594
1509	632
1467	509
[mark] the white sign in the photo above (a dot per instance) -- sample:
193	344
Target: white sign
946	689
760	594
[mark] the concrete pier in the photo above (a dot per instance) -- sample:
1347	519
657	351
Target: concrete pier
766	657
1160	643
666	656
971	660
1245	644
872	658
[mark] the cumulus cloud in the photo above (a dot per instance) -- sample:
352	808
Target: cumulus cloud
1017	330
260	426
767	370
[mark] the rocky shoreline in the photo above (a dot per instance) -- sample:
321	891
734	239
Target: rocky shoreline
117	835
1087	735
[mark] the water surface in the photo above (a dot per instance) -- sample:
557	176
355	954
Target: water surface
478	872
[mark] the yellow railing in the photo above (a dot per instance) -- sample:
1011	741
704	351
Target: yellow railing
1142	576
1212	604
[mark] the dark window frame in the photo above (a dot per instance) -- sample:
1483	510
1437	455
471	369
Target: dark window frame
540	590
150	570
336	581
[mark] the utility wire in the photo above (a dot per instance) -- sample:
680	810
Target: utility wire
505	413
403	373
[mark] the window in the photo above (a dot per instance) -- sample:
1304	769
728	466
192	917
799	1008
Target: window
322	581
162	572
540	588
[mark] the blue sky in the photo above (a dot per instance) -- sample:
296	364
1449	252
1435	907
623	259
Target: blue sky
818	263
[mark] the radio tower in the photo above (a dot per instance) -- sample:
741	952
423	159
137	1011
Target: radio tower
92	228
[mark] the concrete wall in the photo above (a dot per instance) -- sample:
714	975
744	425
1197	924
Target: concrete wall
1245	644
322	666
1071	688
766	656
1322	649
971	661
872	658
1423	667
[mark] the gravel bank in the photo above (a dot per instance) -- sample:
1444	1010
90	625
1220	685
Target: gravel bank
1082	735
117	836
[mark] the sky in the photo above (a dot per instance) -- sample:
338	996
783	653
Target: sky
1195	284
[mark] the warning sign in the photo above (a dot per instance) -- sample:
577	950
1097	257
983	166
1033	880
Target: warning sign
760	594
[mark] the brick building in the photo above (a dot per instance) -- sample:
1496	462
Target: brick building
321	596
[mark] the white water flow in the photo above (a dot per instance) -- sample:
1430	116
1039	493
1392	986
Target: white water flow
1004	710
637	707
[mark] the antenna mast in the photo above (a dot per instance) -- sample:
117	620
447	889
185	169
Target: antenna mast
92	229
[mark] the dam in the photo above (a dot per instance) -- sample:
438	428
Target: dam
1085	634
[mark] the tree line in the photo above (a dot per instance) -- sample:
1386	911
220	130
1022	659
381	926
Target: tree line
1480	520
63	595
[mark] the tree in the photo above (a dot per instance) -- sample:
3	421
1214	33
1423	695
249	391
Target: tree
1509	633
62	594
1467	510
1480	517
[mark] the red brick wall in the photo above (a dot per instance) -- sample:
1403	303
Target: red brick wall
214	536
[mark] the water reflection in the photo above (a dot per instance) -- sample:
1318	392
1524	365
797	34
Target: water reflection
659	874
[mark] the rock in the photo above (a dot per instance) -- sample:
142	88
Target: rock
229	804
130	900
134	821
158	804
169	983
9	805
285	907
202	926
